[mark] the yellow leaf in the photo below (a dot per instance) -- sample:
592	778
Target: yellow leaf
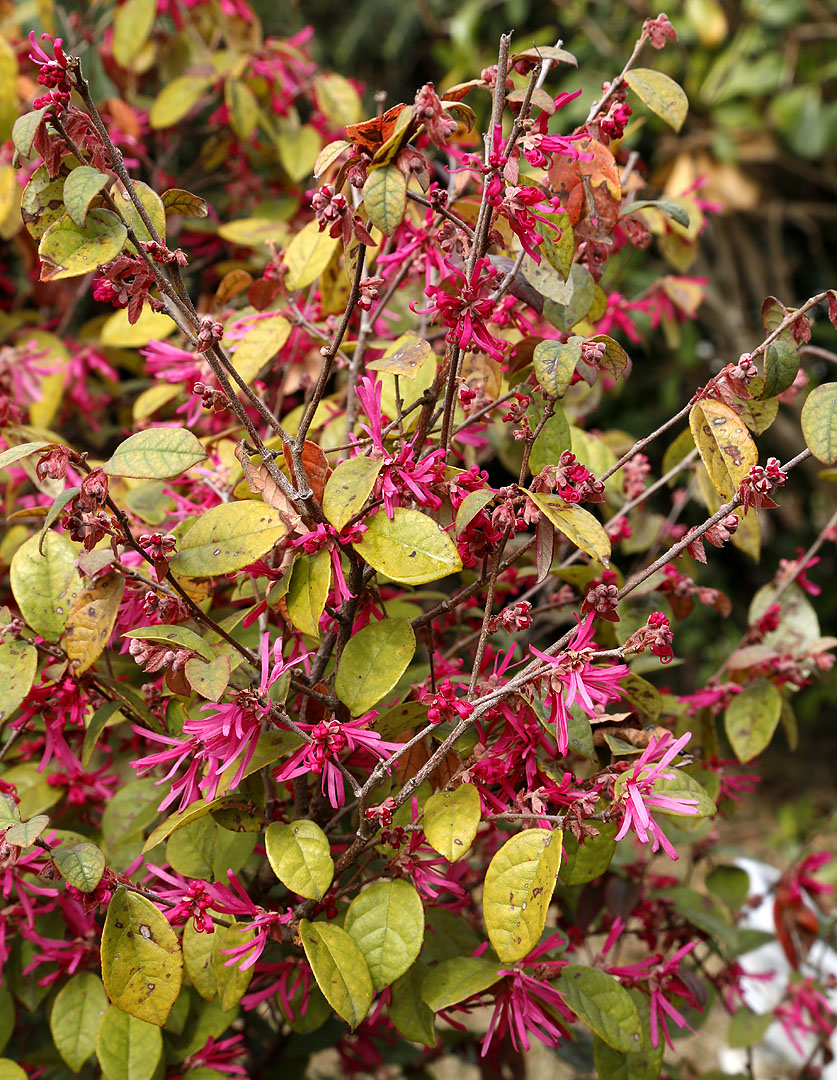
724	443
91	619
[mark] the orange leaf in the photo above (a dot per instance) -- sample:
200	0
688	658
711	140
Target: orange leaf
571	180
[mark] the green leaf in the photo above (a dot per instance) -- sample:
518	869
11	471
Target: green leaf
203	850
582	863
156	454
10	1070
91	619
18	664
23	450
558	247
180	820
451	820
308	591
179	637
373	661
577	524
644	697
555	363
54	512
210	679
132	25
127	1047
141	959
409	548
227	538
45	585
724	443
242	107
300	856
819	423
470	506
177	99
409	1013
387	922
781	366
9	813
518	888
731	884
751	718
747	1028
673	210
298	149
67	250
348	488
615	360
676	784
661	94
24	131
184	203
553	439
26	833
261	342
459	978
645	1063
80	189
81	866
232	982
603	1004
198	954
385	197
339	968
76	1014
307	255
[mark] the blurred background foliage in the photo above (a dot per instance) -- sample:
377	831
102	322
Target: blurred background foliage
761	77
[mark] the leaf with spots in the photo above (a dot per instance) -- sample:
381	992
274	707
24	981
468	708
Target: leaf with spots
141	958
227	538
409	548
348	488
751	719
518	888
67	250
724	443
451	820
91	619
45	584
18	664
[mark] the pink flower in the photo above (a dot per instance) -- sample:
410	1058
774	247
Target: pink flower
638	794
329	739
806	1011
235	901
465	305
575	679
180	752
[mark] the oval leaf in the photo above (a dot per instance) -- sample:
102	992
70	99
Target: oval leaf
227	538
45	585
18	664
156	454
128	1048
451	820
180	637
751	718
518	887
459	978
387	922
373	661
80	189
577	524
819	423
661	94
385	197
409	548
308	591
307	255
177	99
75	1018
603	1004
724	443
68	250
300	856
348	488
339	968
141	959
555	364
81	866
91	619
